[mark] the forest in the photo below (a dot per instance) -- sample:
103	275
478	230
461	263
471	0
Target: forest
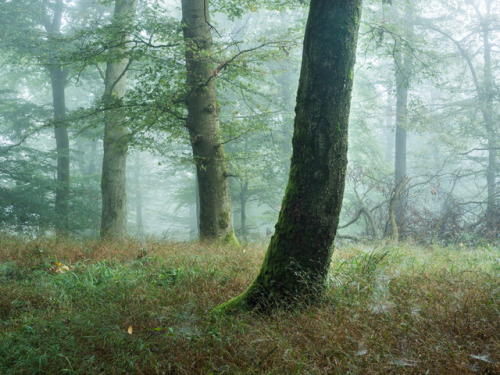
249	187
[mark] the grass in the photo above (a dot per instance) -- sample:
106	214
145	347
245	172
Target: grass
399	310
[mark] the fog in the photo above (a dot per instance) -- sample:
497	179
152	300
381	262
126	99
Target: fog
423	132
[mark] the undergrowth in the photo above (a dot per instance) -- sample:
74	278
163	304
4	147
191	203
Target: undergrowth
144	308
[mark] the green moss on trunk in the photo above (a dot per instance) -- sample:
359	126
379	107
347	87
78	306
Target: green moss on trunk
298	257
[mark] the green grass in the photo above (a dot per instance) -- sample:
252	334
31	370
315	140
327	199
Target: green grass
388	309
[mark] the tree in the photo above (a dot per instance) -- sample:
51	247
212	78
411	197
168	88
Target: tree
203	125
58	81
113	186
298	257
38	36
478	45
403	64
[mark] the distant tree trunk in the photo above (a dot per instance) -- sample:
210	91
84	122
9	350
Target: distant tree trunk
389	150
243	208
216	221
403	63
487	94
298	257
113	185
400	145
58	83
138	194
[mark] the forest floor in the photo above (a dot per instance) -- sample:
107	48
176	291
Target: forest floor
144	308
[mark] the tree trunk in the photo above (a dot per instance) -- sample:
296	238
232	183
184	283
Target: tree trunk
389	150
203	124
113	185
403	63
400	147
138	194
243	208
58	81
487	94
298	257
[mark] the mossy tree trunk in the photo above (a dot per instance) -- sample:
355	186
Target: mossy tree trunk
298	257
113	184
203	124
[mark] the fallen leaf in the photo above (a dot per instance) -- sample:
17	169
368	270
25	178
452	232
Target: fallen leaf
129	330
60	268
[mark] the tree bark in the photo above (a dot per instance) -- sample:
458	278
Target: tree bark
113	180
298	257
203	124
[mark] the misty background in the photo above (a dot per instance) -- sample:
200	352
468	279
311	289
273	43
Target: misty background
424	123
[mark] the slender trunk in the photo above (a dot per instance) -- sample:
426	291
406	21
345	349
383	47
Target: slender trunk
243	205
58	81
400	147
113	184
389	150
298	257
492	213
485	94
403	62
138	194
203	124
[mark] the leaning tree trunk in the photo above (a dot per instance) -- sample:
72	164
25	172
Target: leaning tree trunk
298	257
203	124
113	186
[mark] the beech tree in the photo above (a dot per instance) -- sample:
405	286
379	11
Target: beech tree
216	221
113	186
298	257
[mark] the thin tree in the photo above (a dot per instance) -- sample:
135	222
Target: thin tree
58	74
403	64
484	86
298	257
